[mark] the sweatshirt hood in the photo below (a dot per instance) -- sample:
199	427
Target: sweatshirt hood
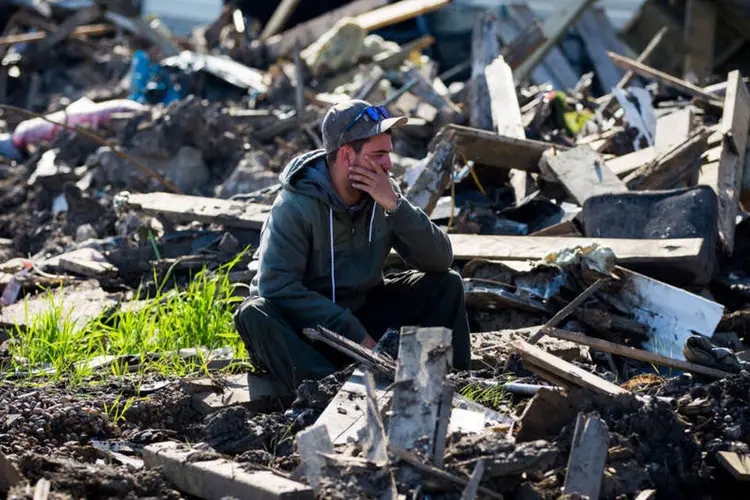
307	174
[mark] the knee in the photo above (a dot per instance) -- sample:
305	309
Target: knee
252	311
449	282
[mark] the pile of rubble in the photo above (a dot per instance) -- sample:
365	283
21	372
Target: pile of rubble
598	221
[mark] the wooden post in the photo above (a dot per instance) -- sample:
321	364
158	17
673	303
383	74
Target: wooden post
588	457
423	360
700	27
434	178
734	125
280	16
554	28
485	47
311	442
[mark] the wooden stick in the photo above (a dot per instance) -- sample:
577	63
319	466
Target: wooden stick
566	311
278	19
665	79
438	473
115	149
397	12
642	58
89	29
639	354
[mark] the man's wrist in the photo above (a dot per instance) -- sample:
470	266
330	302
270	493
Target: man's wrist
396	204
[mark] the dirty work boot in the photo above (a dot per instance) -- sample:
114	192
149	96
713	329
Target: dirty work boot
271	340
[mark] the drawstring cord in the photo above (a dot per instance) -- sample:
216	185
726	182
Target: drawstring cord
333	271
330	225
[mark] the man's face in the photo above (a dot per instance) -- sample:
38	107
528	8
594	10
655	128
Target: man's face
375	152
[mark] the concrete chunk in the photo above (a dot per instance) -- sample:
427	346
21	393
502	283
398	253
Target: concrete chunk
220	478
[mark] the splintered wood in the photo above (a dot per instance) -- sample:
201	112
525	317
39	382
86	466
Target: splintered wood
423	360
561	372
583	173
588	456
311	442
433	179
734	124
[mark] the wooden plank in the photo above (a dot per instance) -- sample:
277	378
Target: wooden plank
283	44
734	128
494	150
485	47
583	173
311	442
372	437
470	492
397	12
79	32
423	359
700	28
509	28
639	354
42	489
671	167
671	314
738	465
506	115
628	163
183	208
588	456
535	357
688	251
665	79
554	28
279	18
219	478
555	61
387	61
87	262
433	179
672	129
592	33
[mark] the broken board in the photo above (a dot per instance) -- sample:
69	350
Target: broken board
561	372
685	260
584	174
738	465
734	125
494	150
672	129
219	478
628	163
183	208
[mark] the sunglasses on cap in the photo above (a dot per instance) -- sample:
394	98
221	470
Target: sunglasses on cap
374	112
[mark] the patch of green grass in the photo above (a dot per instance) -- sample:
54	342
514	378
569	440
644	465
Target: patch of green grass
199	316
492	395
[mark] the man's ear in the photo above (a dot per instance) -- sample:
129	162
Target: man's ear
346	156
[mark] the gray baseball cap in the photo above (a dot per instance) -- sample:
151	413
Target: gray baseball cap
355	119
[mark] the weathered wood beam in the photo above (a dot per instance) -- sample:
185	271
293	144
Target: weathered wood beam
570	375
665	79
734	130
638	354
554	28
699	35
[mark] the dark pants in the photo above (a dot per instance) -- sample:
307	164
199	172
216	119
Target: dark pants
410	298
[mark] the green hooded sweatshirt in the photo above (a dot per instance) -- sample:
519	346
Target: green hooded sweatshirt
318	258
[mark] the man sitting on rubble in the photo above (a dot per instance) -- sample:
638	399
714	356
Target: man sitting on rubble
324	246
